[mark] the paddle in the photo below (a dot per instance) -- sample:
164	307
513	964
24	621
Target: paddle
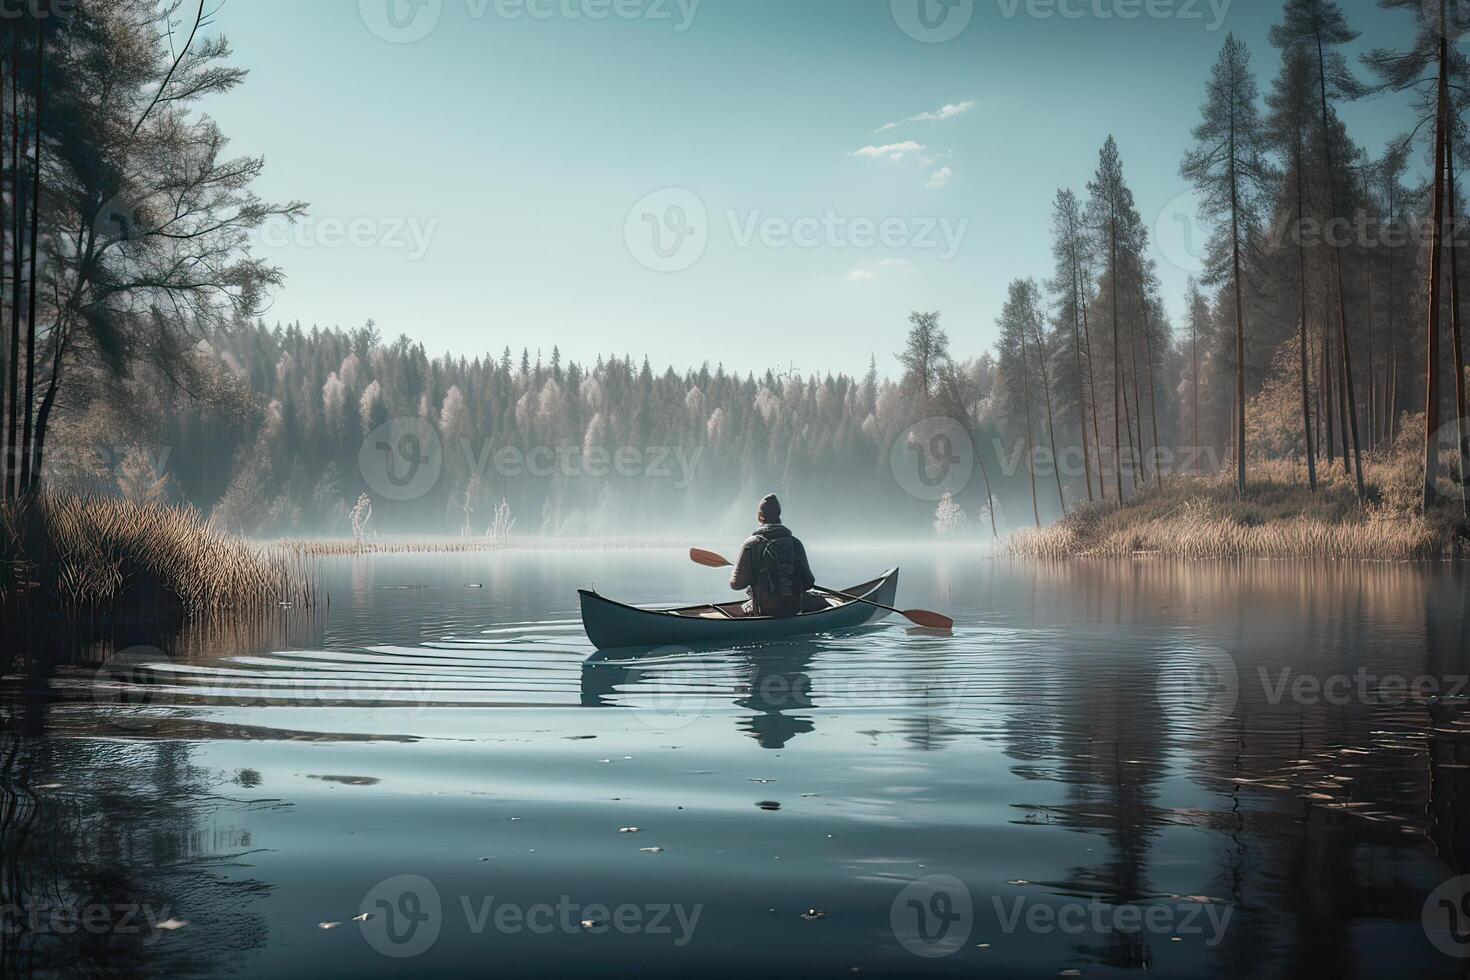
919	617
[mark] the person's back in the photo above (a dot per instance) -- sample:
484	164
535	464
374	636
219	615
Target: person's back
773	567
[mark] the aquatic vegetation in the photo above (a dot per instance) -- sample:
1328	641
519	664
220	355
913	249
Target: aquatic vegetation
109	554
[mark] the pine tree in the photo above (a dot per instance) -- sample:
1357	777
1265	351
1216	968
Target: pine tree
1318	27
1290	122
1229	168
1070	245
1432	59
1113	216
1017	323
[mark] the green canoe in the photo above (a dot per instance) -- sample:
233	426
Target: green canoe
613	625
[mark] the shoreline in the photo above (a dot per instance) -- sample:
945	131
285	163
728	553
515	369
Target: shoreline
1204	518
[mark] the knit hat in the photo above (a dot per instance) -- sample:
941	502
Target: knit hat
770	508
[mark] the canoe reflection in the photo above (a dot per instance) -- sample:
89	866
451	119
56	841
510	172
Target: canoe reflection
770	682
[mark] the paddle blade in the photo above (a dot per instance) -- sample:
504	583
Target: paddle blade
929	620
707	558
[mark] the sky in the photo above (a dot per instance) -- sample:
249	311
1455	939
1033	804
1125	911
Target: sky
757	183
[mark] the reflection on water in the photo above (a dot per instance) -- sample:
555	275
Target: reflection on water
1274	758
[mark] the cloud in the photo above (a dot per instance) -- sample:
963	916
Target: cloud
938	115
869	271
939	178
893	151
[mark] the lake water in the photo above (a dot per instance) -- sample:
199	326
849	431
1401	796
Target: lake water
1195	770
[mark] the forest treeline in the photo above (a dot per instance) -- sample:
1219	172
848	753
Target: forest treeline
1325	327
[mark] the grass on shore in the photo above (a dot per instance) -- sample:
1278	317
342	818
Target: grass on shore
1278	517
138	559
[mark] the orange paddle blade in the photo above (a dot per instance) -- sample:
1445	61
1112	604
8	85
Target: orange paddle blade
929	620
707	558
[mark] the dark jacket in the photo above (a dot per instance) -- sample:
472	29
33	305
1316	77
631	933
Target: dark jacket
786	598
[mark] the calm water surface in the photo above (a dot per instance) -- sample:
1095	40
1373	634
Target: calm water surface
1194	770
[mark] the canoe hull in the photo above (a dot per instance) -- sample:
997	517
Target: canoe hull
612	625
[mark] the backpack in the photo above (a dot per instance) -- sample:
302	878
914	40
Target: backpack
775	587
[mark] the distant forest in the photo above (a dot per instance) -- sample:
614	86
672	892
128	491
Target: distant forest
1325	328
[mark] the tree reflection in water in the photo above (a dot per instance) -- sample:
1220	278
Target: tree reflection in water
106	834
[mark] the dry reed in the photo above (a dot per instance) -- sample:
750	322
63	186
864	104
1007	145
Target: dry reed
140	559
1278	517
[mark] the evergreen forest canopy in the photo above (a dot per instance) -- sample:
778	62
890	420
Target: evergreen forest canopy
1324	329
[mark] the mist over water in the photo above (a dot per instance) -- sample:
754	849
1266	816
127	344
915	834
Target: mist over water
1095	741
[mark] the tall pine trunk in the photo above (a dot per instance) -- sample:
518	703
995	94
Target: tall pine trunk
1051	432
1137	404
1457	361
1153	410
1350	421
28	476
1117	352
1128	414
1194	412
1239	315
1328	397
1390	368
1097	443
12	464
12	352
1030	444
1301	252
1436	245
1368	301
8	406
1081	381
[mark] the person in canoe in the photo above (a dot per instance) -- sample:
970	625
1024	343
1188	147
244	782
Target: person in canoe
773	569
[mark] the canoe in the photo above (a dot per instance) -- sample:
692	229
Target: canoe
613	625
